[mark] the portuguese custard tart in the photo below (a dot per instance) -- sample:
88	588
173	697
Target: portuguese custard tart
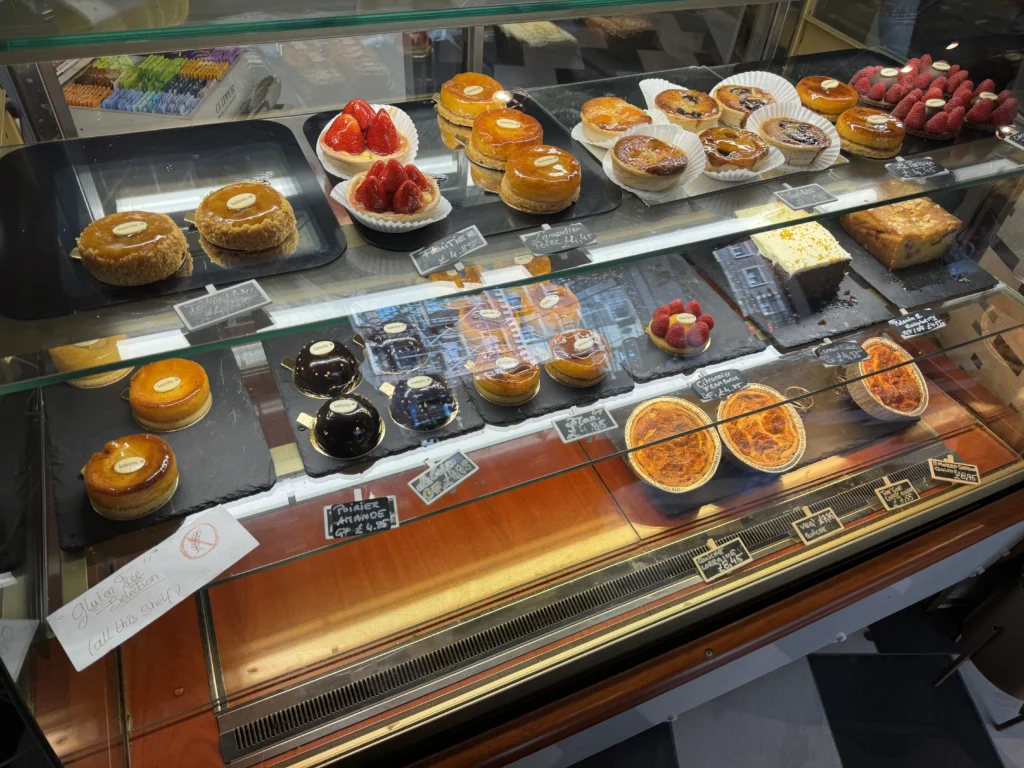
647	163
89	354
486	322
347	427
359	137
498	133
169	394
870	132
770	438
799	141
423	403
468	95
506	375
396	347
548	308
247	216
326	369
826	96
738	102
132	248
898	392
131	477
728	149
541	179
578	358
608	117
692	110
677	465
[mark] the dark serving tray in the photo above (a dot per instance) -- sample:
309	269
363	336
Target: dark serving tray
19	414
470	203
51	192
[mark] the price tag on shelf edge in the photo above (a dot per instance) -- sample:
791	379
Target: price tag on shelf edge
720	384
581	425
564	237
442	477
357	518
915	168
917	323
840	353
954	471
722	559
808	196
1017	139
448	250
817	525
896	495
218	306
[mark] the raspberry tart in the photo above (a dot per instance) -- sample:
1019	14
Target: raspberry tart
359	137
391	192
681	328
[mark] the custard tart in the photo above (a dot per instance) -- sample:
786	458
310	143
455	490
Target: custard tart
674	465
799	142
608	117
738	102
246	216
692	110
131	477
647	163
728	149
169	394
761	430
132	248
899	392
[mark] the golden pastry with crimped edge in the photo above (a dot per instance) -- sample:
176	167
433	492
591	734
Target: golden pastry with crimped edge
870	132
691	110
679	465
799	142
485	322
506	375
738	102
169	394
826	96
132	248
728	149
498	133
608	117
89	354
468	95
542	179
548	308
578	358
131	477
647	163
898	392
761	429
245	216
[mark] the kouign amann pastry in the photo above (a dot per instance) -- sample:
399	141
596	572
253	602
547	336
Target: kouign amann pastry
246	216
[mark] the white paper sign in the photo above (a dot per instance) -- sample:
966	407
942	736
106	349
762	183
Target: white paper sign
15	638
149	586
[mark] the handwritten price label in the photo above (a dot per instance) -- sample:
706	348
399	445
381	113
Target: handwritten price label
358	518
580	425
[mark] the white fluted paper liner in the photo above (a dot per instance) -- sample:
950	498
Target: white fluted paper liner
770	163
404	125
779	87
676	136
340	193
657	118
824	159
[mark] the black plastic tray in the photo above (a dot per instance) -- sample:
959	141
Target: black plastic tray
470	203
52	191
18	414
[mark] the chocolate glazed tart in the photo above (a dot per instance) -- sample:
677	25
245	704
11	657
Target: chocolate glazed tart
423	403
347	427
324	369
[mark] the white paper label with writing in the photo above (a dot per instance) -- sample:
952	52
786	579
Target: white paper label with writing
829	84
95	623
582	345
544	162
877	119
522	261
346	405
395	327
420	382
940	66
242	201
548	302
473	90
322	348
504	122
889	72
490	314
166	384
506	363
129	228
127	466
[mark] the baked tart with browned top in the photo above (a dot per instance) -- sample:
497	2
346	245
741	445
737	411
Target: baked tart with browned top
506	375
498	133
169	394
246	216
468	95
132	248
647	163
770	438
692	110
898	392
738	102
675	465
729	149
542	179
578	358
131	477
870	132
608	117
799	142
826	96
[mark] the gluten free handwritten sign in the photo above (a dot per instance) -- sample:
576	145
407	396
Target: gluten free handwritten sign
95	623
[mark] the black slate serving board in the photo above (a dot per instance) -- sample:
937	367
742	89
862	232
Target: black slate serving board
470	203
18	414
396	439
221	458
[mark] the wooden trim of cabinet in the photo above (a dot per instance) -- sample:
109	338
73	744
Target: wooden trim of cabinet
619	693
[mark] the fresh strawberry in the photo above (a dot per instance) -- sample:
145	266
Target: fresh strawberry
926	60
361	111
939	123
677	306
394	176
676	335
863	85
958	99
933	93
981	111
964	92
693	307
408	198
376	199
659	325
697	336
985	86
958	81
344	135
663	310
940	83
917	93
923	80
362	193
416	176
377	169
903	108
877	92
915	119
382	136
895	93
707	320
956	118
1004	113
954	69
1003	96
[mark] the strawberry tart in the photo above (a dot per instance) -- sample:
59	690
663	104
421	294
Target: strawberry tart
681	328
359	137
394	193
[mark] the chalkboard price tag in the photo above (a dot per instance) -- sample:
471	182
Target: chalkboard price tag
720	384
564	237
917	323
357	518
817	525
581	425
447	250
954	472
442	477
840	353
1017	139
807	196
218	306
916	168
722	559
896	495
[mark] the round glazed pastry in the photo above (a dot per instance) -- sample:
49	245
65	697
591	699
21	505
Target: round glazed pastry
739	101
468	95
608	117
347	427
644	162
800	142
678	465
727	149
692	110
169	394
870	133
132	248
326	369
898	392
578	358
498	133
826	96
423	403
396	347
548	309
131	477
542	179
506	375
769	439
247	216
488	322
88	354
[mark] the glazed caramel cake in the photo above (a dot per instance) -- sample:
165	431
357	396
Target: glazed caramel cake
468	95
770	440
500	132
506	375
826	96
247	216
169	394
132	248
677	465
578	358
133	476
541	179
870	133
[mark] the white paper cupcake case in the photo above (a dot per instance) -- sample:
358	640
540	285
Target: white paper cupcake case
404	125
657	118
823	160
340	193
773	161
779	87
676	136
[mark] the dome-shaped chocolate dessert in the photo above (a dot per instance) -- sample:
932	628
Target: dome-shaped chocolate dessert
347	427
423	403
396	347
326	369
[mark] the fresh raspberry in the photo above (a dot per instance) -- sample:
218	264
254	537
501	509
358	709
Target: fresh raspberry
865	72
394	176
344	135
985	86
863	85
361	111
895	93
382	136
939	123
377	169
1003	96
981	111
923	80
915	119
906	78
693	308
659	325
1004	113
903	108
926	60
954	69
956	118
663	310
697	336
707	320
877	92
677	306
940	83
933	93
408	198
416	176
876	69
914	63
676	335
917	93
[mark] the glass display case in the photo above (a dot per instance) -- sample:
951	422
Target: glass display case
369	375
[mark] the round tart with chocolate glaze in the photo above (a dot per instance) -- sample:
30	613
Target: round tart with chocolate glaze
898	392
506	375
870	132
727	149
423	403
485	322
132	248
608	117
799	142
247	216
692	110
498	133
131	477
396	347
89	354
542	179
826	96
739	101
326	369
578	358
468	95
647	163
347	427
169	394
548	309
761	430
678	465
